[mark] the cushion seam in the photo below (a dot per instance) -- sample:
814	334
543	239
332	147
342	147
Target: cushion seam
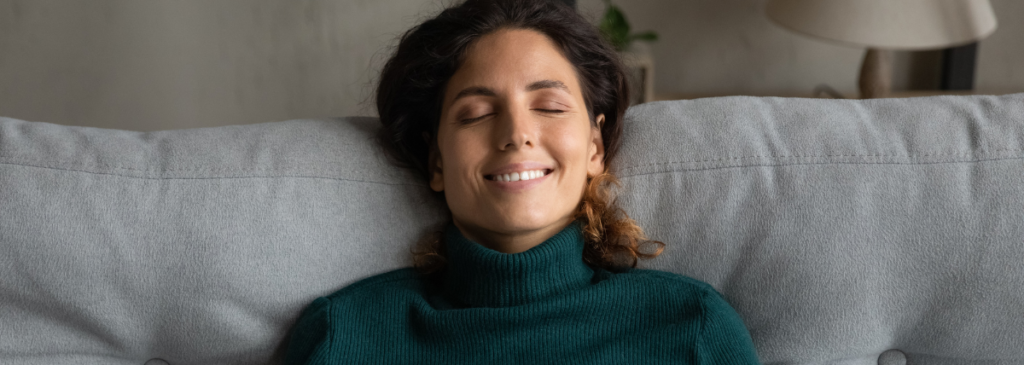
768	164
211	177
958	154
41	163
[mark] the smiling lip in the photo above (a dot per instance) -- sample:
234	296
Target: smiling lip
518	168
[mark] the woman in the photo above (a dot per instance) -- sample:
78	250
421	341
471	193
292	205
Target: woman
512	110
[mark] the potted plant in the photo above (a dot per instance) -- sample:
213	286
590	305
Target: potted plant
639	64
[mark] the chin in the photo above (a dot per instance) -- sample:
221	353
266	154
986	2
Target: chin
513	219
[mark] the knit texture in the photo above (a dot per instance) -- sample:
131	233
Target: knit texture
543	305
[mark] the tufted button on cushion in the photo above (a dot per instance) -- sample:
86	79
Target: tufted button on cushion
890	357
158	361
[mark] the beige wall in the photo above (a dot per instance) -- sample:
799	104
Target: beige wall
163	64
170	64
729	46
1001	56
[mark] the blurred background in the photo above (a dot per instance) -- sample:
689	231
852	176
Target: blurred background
173	64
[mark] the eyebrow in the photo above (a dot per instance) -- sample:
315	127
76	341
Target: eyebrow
546	84
537	85
474	90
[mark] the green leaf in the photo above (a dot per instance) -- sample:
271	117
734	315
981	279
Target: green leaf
645	36
615	27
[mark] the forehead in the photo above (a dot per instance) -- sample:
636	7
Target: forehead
512	58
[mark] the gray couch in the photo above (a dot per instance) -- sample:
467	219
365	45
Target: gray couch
843	232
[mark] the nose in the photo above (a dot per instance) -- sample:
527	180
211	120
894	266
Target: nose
516	130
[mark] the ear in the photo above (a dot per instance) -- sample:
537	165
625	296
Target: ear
595	165
436	171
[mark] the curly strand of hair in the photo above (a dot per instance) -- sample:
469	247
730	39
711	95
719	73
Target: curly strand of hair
428	254
613	240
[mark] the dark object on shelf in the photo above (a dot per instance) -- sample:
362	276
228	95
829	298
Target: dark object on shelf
825	91
958	67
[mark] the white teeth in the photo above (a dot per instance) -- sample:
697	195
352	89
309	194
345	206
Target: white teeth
517	176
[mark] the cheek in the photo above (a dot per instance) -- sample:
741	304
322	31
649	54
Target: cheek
463	152
570	145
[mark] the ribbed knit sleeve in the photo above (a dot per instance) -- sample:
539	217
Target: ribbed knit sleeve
723	338
310	340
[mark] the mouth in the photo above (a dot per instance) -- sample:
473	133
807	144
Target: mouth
519	175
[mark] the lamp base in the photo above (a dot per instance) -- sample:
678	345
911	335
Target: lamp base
875	74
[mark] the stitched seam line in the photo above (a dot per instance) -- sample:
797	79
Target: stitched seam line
637	167
956	154
814	163
947	154
29	162
216	177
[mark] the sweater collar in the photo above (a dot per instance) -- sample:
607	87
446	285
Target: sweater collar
478	276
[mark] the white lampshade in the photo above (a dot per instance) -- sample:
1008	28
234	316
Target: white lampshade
888	24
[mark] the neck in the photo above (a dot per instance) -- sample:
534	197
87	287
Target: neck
477	276
511	241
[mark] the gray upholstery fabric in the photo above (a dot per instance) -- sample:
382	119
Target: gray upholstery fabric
843	232
840	229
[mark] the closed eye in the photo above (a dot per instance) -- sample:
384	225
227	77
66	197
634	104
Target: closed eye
551	110
471	120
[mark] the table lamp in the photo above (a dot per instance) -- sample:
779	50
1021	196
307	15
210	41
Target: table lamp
884	25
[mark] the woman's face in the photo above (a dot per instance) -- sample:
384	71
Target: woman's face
515	142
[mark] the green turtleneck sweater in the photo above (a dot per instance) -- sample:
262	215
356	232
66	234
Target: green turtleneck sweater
541	306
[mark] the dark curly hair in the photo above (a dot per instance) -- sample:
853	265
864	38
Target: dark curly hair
412	86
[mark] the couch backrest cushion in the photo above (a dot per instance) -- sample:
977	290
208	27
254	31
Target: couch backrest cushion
838	229
196	246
